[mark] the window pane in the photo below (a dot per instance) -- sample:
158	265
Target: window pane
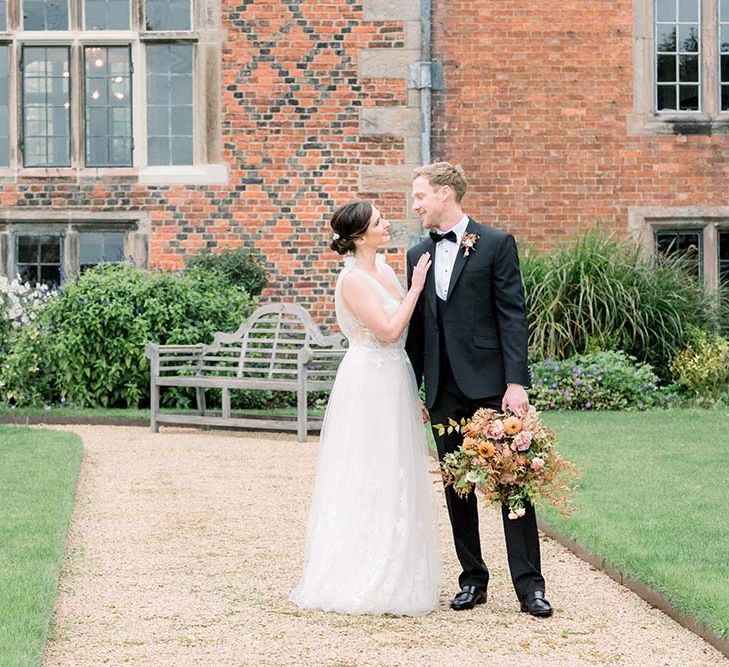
106	14
666	68
98	247
28	249
3	15
39	259
688	98
724	259
681	243
666	98
666	10
688	10
46	106
108	106
168	14
49	275
169	104
4	107
725	98
688	68
45	14
724	36
666	38
688	38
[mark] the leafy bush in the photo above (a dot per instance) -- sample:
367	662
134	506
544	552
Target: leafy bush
604	294
87	345
238	266
595	381
702	367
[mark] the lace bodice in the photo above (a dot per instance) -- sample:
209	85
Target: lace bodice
356	332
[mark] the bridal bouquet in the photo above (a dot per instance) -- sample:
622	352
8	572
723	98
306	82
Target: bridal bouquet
511	459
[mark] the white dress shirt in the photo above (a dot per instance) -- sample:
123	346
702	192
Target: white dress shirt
445	258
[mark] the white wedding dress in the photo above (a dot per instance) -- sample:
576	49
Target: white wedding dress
372	544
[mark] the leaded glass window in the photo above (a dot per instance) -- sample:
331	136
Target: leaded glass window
106	14
45	14
169	104
100	247
46	106
4	107
677	51
108	105
683	243
39	259
724	54
168	14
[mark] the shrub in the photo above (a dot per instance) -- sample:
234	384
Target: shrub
19	305
702	367
595	381
604	294
87	344
238	266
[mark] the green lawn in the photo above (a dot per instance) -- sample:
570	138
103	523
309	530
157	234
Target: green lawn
654	500
38	471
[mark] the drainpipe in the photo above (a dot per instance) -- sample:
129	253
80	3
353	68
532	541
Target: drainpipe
425	101
425	76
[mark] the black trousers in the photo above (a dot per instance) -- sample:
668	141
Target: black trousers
522	539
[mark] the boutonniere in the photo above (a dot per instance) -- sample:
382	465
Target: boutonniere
468	242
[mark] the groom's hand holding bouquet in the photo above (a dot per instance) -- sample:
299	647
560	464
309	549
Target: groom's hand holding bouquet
511	458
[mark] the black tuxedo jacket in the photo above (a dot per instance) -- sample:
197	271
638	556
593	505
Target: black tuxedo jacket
485	322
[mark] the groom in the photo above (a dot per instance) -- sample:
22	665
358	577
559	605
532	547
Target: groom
468	338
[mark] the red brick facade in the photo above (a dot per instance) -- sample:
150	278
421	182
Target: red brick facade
536	108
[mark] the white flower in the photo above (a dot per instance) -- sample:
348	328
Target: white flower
472	477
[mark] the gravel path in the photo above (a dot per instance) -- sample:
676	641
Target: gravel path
185	544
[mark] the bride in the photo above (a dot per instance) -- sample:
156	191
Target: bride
372	546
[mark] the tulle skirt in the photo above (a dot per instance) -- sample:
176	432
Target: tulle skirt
372	543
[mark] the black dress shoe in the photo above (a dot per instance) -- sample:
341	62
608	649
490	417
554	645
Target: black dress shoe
468	598
536	604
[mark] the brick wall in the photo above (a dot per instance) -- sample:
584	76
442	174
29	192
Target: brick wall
293	90
536	109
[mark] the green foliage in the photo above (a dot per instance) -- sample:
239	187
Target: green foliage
87	345
702	367
604	294
238	266
595	381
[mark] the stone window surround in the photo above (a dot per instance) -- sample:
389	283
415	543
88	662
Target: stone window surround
137	226
644	119
643	221
207	37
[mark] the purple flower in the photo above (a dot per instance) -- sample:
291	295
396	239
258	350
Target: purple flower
588	405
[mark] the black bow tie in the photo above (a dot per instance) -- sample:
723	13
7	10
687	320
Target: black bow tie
449	236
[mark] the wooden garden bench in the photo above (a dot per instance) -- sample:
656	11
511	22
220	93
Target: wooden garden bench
279	347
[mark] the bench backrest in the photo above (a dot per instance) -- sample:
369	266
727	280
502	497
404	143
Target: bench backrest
267	345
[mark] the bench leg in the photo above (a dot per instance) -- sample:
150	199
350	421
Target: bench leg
200	394
226	403
153	407
301	421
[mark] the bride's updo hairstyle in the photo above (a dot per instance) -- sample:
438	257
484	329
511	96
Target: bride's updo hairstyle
349	223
